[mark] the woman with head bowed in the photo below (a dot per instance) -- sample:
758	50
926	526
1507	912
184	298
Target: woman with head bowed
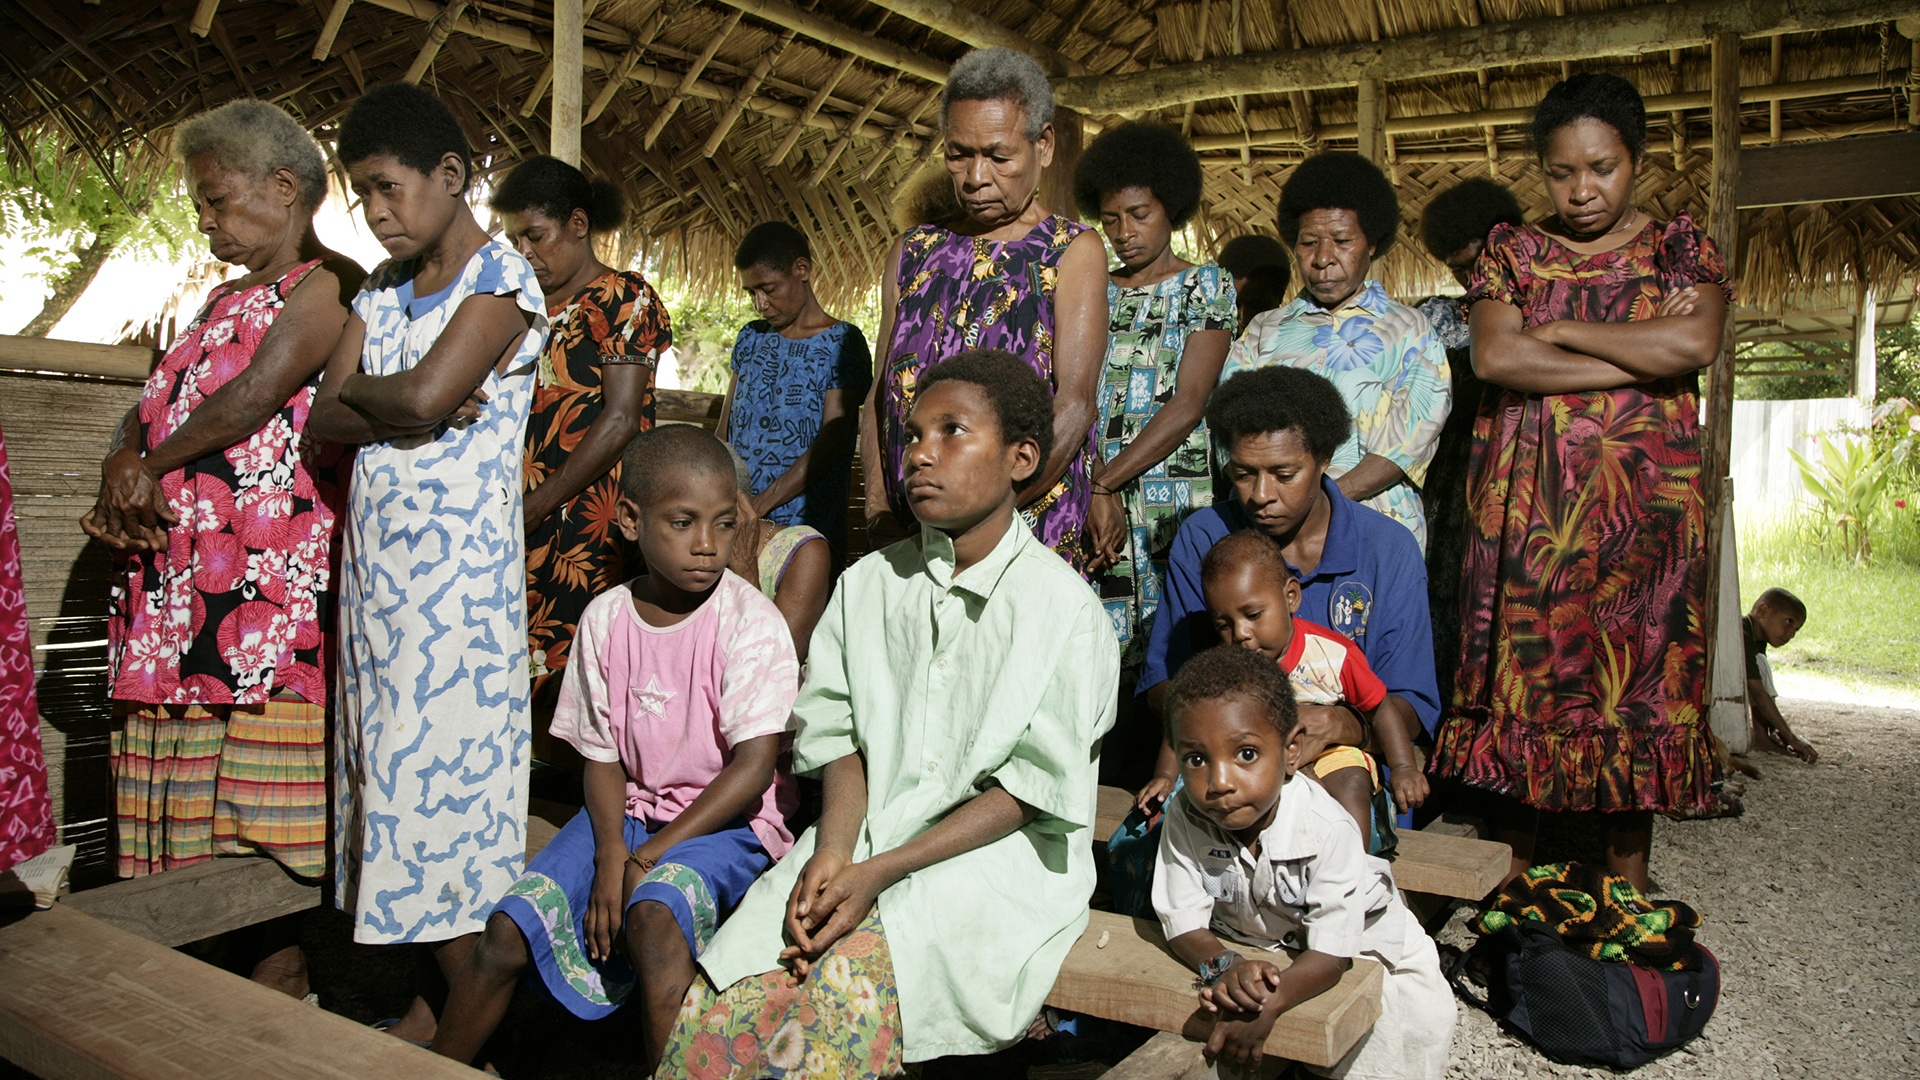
1583	589
1002	272
1340	215
225	512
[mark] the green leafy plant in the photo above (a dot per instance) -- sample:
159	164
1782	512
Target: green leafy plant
1849	479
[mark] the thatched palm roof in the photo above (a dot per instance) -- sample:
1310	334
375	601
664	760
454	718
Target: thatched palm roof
717	113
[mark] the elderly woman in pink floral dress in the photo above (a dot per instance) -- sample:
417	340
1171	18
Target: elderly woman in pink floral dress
226	517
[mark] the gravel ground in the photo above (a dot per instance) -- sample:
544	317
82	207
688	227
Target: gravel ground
1799	900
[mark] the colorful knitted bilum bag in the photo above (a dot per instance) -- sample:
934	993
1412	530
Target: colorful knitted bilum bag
1586	968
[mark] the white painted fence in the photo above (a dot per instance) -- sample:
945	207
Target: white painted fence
1764	475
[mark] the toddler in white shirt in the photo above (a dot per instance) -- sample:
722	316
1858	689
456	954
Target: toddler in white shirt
1256	854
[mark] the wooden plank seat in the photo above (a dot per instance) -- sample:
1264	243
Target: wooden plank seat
1432	863
1134	980
83	1000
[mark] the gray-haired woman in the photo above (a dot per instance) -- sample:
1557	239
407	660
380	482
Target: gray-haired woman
225	517
1002	272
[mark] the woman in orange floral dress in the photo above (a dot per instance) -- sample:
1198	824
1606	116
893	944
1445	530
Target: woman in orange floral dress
1581	682
595	394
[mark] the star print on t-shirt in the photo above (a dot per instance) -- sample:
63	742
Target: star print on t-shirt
652	698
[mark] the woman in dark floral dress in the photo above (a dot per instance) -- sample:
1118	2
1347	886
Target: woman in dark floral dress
1581	676
594	395
1006	273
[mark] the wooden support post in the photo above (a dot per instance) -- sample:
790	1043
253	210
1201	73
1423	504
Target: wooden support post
747	89
437	32
540	85
1866	321
1723	225
203	17
694	71
331	28
1774	64
810	110
563	135
840	145
1373	121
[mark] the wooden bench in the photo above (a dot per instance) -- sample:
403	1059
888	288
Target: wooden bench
83	1000
1433	863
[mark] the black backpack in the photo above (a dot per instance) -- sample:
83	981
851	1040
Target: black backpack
1581	1011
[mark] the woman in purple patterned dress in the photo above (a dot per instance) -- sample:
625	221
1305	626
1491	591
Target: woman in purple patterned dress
1004	273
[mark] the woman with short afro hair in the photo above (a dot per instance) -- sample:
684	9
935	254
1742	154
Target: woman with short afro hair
1339	214
1169	324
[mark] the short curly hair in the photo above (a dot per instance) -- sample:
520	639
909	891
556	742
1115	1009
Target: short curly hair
671	451
775	245
1021	399
999	74
1466	212
1243	547
1280	398
1230	671
255	138
556	189
1338	180
1138	154
1248	252
1595	95
404	121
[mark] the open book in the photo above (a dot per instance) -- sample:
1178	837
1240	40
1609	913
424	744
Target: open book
36	882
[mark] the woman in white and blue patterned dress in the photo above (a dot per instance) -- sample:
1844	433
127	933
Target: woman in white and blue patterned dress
433	380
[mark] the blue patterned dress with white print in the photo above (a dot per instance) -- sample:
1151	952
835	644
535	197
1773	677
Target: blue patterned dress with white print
433	718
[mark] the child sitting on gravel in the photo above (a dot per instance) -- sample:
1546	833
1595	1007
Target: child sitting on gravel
1251	596
1776	617
1253	852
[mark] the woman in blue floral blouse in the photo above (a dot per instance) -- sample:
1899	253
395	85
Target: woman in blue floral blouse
1340	214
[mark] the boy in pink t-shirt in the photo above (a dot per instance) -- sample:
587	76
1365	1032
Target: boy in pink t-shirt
1251	595
678	695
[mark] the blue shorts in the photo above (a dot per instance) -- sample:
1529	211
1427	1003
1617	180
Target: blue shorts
700	880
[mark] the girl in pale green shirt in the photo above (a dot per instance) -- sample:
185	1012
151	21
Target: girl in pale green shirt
958	687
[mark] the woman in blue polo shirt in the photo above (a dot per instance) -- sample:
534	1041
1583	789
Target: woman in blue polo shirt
1360	571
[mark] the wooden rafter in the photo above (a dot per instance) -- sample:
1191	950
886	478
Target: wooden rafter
1614	32
968	25
545	78
203	17
629	60
329	30
840	145
847	39
437	32
900	133
693	73
810	112
724	126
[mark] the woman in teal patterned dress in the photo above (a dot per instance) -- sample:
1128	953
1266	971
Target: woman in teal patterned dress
1170	324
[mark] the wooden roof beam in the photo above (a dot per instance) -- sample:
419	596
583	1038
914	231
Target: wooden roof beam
519	37
825	30
840	145
330	30
545	80
628	61
1620	32
810	111
437	33
969	26
693	73
747	89
203	17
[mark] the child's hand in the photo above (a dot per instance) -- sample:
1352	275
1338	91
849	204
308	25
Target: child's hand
1409	786
1150	797
606	905
1244	988
1243	1041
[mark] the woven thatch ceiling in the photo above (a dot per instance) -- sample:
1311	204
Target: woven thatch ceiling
730	111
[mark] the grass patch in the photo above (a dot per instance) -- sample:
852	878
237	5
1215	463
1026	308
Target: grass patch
1863	623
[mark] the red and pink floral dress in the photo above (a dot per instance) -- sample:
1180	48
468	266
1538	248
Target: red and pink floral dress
218	644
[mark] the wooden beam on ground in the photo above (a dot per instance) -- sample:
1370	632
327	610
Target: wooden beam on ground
692	75
845	38
437	32
1873	167
1168	1056
1628	31
969	25
196	902
83	1000
203	17
563	131
519	37
329	30
1492	118
1433	863
738	105
1134	980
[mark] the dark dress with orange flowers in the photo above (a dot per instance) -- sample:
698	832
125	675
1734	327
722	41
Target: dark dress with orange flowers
577	553
1581	681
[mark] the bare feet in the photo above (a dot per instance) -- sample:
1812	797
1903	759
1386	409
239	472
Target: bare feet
1742	766
285	971
418	1026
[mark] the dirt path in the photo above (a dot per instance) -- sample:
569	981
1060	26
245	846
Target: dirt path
1811	901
